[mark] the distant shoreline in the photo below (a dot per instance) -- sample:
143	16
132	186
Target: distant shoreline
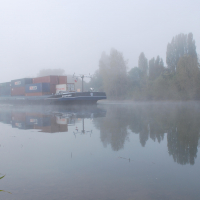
101	102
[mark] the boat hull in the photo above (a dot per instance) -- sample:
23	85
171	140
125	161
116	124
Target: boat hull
85	98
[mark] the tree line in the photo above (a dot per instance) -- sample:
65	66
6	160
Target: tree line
151	79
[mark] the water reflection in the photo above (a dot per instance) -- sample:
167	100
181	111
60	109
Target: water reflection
47	119
152	121
179	122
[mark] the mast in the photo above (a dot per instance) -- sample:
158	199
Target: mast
82	76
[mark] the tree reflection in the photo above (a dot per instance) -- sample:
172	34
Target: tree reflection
183	139
180	122
113	128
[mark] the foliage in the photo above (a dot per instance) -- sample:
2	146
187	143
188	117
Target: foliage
180	45
143	64
156	68
113	70
48	72
96	82
179	80
187	76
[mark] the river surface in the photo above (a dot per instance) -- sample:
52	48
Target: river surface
106	152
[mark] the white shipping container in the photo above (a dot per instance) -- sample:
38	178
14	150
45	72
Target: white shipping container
61	88
69	87
60	120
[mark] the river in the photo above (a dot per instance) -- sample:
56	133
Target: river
111	151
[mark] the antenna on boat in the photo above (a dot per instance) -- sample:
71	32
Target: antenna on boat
82	76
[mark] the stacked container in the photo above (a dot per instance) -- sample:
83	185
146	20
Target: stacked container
5	89
32	87
5	117
38	89
19	121
62	79
38	119
69	87
51	81
54	127
18	86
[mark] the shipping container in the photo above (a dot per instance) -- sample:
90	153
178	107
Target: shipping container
21	125
46	79
19	117
52	128
53	88
69	87
5	89
62	79
5	117
37	88
60	120
18	91
38	120
61	88
21	82
6	84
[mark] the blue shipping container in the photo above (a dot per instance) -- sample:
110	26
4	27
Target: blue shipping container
6	84
5	91
21	82
21	125
37	87
39	121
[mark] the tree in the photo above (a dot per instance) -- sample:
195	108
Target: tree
143	64
96	82
187	76
113	71
134	76
156	68
48	72
180	45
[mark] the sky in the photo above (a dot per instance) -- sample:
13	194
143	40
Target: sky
71	35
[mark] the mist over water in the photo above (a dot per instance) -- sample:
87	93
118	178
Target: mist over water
108	151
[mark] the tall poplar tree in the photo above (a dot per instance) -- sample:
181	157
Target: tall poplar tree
113	69
156	67
180	45
143	64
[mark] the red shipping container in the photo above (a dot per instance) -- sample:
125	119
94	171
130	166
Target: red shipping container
38	94
18	91
52	89
46	79
62	79
19	117
52	128
35	114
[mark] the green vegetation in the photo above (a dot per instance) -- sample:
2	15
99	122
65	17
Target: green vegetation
3	190
151	80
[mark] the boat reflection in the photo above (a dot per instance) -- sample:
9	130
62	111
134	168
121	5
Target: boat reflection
47	119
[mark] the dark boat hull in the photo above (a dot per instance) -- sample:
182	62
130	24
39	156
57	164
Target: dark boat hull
77	98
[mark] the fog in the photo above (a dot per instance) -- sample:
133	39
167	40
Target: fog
72	35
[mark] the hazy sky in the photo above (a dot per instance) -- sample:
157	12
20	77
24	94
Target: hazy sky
72	34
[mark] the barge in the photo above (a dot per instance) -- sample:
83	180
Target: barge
46	90
61	99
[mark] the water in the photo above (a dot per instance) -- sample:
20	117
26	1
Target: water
112	151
